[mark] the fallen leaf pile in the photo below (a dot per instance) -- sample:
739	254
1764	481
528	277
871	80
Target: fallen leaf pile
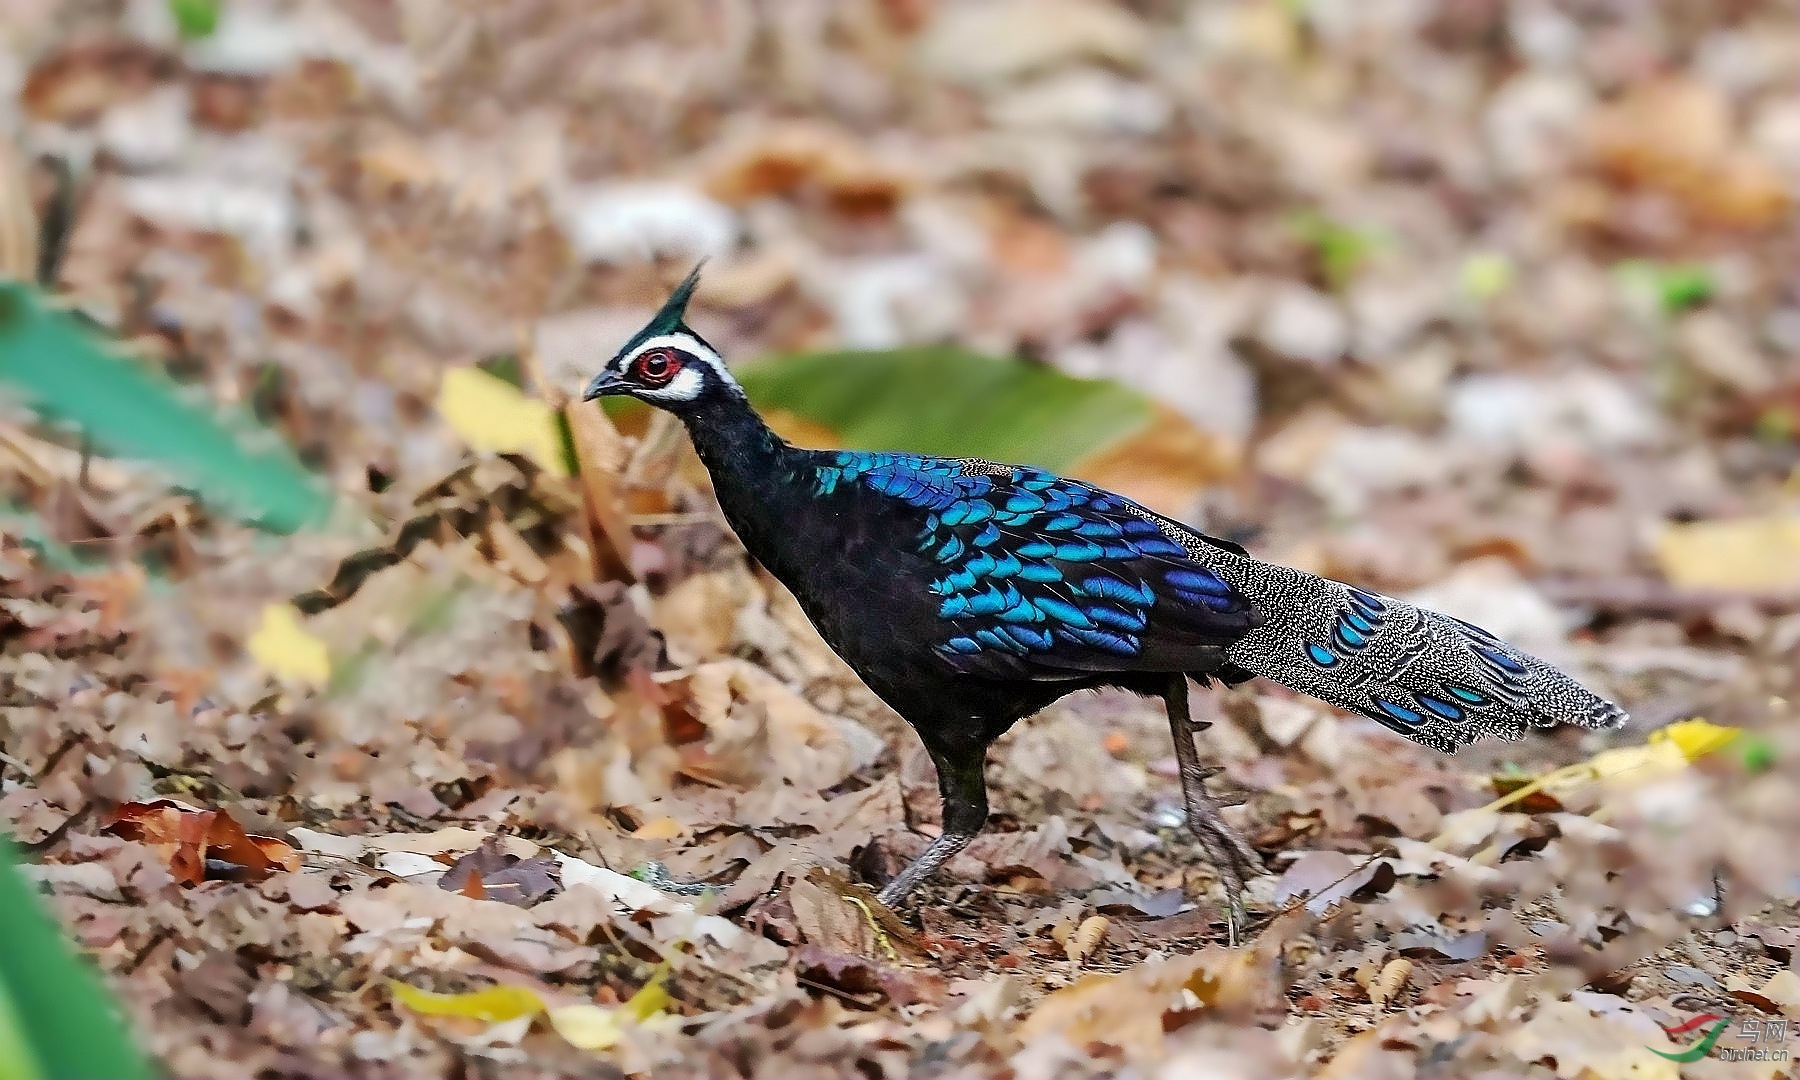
518	767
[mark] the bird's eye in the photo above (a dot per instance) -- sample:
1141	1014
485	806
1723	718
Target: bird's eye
657	366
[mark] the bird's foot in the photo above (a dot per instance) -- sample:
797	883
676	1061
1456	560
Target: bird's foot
936	854
1236	861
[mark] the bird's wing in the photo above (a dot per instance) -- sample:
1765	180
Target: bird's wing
1042	577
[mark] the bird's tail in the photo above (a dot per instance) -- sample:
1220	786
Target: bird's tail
1433	678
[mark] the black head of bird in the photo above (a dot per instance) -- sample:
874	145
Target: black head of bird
667	364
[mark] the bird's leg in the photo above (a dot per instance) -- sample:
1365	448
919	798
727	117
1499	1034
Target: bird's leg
1235	860
962	784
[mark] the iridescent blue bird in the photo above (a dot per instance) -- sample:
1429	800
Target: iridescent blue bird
970	595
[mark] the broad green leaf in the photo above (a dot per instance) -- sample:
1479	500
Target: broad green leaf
62	1023
961	404
17	1062
195	19
947	401
64	371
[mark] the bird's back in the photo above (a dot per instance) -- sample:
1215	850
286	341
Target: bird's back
925	571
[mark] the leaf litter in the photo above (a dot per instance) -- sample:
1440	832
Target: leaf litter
378	799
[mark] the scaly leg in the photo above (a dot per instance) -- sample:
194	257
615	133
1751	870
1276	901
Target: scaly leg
962	784
1235	860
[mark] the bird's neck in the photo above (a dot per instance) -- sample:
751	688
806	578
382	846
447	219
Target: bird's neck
755	473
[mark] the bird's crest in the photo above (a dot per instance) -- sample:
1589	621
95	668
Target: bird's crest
671	318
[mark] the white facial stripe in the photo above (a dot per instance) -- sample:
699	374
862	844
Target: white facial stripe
685	386
685	344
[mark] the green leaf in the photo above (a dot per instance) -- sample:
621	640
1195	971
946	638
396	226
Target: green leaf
65	372
1671	288
63	1024
1487	274
1758	753
17	1062
1341	249
949	401
196	19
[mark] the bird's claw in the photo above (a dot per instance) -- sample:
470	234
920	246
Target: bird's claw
1236	863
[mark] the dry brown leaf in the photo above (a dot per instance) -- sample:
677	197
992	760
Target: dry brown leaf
756	724
1388	982
201	845
77	83
1584	1046
1166	465
841	917
600	456
1676	134
18	219
1086	938
792	158
1127	1010
444	841
1781	993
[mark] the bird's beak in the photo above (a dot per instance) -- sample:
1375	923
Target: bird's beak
607	382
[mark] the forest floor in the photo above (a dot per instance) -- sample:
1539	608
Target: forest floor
1490	306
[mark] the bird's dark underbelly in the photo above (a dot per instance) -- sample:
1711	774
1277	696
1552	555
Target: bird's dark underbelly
879	616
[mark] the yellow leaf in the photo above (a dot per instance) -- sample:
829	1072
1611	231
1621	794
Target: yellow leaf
1756	554
491	414
1669	750
586	1027
1636	762
1696	737
592	1027
651	998
285	647
662	828
493	1005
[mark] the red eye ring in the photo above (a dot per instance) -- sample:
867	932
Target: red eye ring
656	366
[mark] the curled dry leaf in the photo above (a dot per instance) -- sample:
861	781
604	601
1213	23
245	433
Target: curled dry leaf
757	723
1086	938
867	981
492	873
1676	135
1131	1010
797	159
1326	878
1780	994
201	845
843	917
1389	981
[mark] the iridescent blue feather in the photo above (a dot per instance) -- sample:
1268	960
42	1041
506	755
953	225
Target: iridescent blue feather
1044	569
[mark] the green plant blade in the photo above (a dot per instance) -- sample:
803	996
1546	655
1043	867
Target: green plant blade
17	1062
64	371
62	1018
949	401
